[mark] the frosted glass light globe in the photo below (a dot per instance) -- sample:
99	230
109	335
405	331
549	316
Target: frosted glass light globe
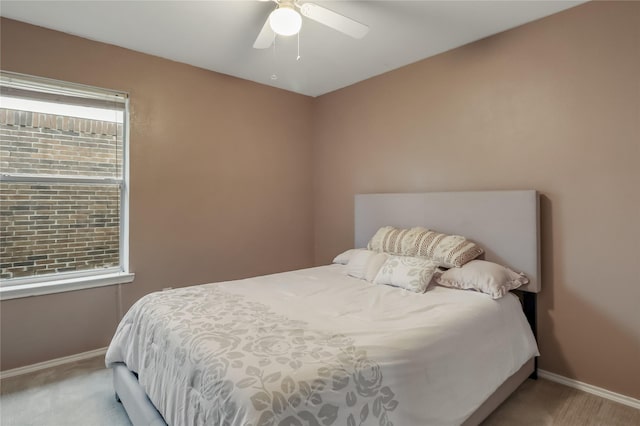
285	21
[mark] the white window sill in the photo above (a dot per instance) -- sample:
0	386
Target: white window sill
61	285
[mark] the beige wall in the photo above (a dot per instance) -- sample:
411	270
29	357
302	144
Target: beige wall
216	178
554	106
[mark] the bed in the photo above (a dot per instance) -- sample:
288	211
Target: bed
318	347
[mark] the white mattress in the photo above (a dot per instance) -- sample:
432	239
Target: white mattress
318	347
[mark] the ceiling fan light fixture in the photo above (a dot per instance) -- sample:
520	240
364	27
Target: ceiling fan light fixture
285	21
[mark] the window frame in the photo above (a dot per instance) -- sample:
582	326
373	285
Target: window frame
34	285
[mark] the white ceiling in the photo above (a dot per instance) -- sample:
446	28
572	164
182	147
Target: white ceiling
218	35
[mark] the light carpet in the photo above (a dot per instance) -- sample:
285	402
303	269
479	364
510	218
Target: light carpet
81	394
78	394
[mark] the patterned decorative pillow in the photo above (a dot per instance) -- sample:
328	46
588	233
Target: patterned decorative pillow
387	240
375	243
449	250
411	273
411	240
480	275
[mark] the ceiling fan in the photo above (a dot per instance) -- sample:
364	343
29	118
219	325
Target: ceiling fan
286	20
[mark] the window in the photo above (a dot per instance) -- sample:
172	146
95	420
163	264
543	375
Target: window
63	186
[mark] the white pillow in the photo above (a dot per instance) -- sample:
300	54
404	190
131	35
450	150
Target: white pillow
480	275
373	266
343	258
410	273
357	266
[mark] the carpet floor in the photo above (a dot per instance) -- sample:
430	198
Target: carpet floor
77	394
81	394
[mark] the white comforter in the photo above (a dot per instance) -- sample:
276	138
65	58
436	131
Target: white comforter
316	347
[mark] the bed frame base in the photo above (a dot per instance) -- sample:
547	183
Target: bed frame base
142	412
529	302
135	401
501	394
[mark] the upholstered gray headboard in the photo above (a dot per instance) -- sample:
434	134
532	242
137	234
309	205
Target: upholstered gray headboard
504	223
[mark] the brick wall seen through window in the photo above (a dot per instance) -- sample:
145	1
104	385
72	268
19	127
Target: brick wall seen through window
53	227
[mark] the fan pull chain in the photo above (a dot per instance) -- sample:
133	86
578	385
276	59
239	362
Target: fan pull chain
274	76
298	58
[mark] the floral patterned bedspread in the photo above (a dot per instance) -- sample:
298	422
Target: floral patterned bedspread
222	354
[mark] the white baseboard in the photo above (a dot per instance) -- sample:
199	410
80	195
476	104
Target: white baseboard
613	396
52	363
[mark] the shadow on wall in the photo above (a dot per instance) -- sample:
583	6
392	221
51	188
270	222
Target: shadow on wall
547	340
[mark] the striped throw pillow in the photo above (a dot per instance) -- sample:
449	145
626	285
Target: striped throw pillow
448	250
387	239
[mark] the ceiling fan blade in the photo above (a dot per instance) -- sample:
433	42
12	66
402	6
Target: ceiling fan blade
266	36
334	20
